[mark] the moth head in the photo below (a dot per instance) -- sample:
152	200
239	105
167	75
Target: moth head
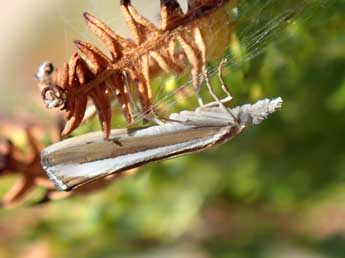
245	119
256	113
52	94
45	73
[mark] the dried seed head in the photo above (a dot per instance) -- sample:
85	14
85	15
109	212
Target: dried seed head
91	74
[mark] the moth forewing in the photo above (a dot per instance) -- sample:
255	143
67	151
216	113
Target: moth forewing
84	160
74	162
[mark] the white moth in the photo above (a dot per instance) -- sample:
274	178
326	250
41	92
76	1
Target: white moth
80	160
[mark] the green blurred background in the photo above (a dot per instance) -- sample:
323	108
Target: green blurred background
277	190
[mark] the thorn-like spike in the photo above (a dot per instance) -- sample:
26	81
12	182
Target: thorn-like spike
200	44
84	74
70	108
192	4
170	12
194	61
165	63
147	26
63	76
114	43
204	4
18	192
72	69
102	104
117	85
125	2
77	117
98	60
146	74
139	26
171	4
198	8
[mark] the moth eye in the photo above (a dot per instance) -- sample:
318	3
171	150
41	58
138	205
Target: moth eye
49	68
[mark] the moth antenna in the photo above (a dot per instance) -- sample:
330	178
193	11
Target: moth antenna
221	78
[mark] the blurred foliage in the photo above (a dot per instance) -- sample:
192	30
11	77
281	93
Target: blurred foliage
277	190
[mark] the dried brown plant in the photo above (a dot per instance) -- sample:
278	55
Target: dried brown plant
28	167
14	161
93	74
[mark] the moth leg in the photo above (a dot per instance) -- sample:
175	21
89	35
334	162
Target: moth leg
225	88
158	119
214	96
221	78
152	117
214	103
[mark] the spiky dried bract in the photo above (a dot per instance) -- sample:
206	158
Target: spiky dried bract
92	74
12	161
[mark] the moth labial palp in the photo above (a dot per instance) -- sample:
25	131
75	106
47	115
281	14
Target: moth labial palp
69	164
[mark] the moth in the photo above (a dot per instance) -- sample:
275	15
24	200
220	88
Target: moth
80	160
128	67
